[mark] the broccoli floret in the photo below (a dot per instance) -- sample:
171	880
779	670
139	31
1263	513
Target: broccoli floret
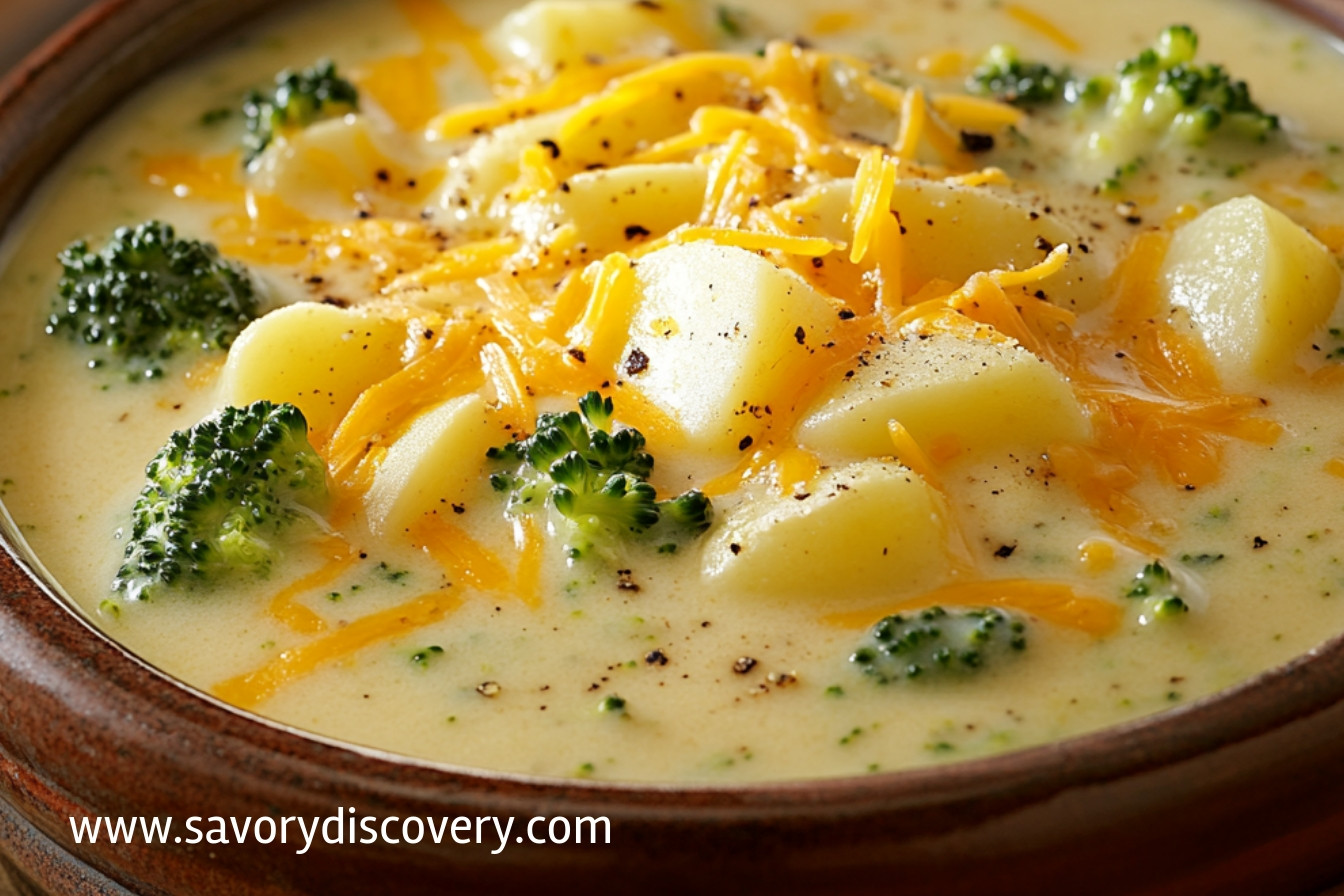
1160	95
596	479
1159	592
935	644
591	498
1003	75
148	295
219	496
1162	89
298	99
690	511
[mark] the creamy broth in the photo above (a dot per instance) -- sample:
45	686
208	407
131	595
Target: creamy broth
516	687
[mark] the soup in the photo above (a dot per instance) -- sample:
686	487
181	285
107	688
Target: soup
984	391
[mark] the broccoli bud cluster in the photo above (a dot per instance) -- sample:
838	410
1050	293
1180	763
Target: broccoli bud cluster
219	496
595	478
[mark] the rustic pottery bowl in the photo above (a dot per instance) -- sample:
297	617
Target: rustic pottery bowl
1239	793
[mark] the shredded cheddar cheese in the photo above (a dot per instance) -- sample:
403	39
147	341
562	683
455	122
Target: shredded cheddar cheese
254	688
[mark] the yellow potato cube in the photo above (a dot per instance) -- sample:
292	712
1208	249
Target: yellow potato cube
954	231
1255	284
952	395
617	208
438	462
870	531
548	35
723	338
318	357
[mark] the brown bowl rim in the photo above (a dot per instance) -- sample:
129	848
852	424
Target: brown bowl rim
1308	686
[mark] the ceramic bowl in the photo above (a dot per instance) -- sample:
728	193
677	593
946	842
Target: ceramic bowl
1239	793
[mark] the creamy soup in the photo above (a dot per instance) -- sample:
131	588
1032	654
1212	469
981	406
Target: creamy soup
1053	350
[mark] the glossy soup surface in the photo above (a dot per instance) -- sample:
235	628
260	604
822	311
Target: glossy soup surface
721	682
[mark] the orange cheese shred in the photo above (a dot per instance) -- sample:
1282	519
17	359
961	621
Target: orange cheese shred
254	688
1042	26
284	606
461	555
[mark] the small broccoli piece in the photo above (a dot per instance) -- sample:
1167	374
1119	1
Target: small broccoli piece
1159	592
939	644
1154	578
1003	75
218	496
690	511
596	479
587	497
1160	95
148	295
597	410
1163	90
298	99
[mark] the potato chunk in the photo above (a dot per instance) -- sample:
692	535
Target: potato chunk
548	35
951	394
1255	284
868	531
438	462
616	208
954	231
477	177
317	357
723	338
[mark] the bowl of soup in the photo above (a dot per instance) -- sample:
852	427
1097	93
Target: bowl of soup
801	447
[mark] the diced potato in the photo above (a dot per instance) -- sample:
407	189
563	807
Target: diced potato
547	35
872	530
318	357
954	231
726	338
619	207
438	462
320	169
1255	284
476	179
952	395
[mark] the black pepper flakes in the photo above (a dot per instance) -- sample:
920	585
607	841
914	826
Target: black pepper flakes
974	141
745	443
550	146
636	231
743	665
636	363
1258	543
655	658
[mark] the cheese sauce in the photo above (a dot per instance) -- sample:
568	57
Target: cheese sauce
718	686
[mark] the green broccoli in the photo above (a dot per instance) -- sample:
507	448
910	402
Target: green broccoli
1161	95
1004	76
1163	91
596	479
1159	591
148	295
218	498
298	99
936	644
